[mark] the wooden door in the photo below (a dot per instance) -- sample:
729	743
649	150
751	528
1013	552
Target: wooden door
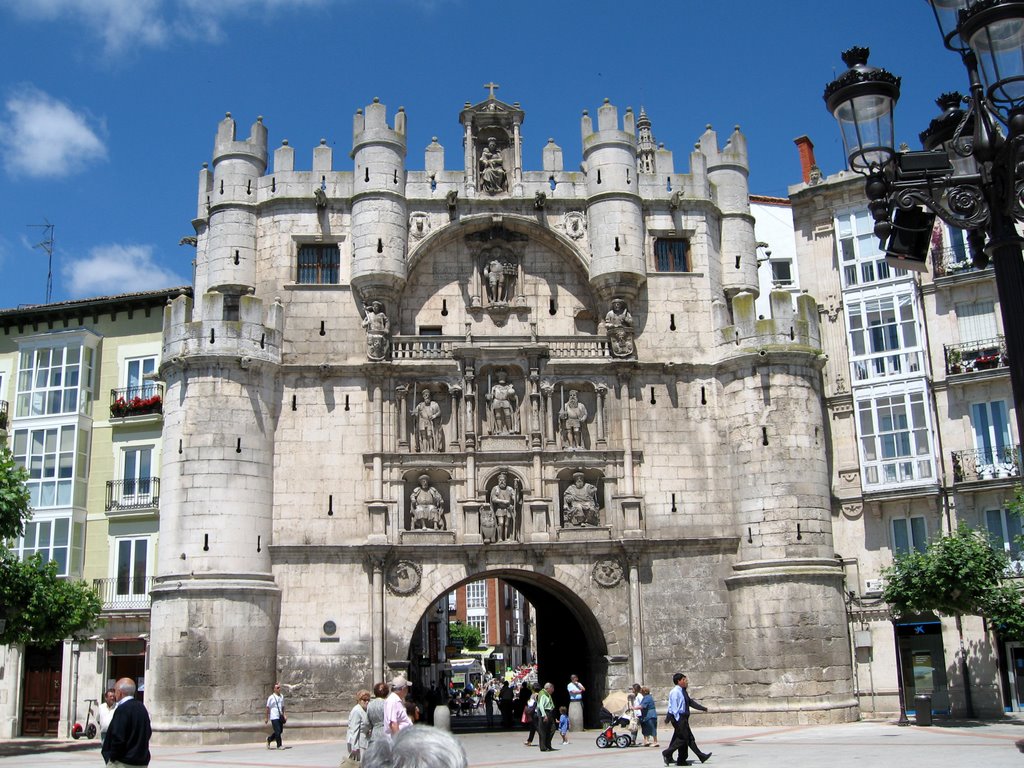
40	714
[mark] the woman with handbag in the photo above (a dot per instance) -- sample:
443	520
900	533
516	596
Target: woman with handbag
275	715
358	728
530	716
375	712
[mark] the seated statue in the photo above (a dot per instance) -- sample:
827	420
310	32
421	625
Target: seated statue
579	503
427	506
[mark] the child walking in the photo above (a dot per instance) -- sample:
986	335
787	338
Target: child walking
563	724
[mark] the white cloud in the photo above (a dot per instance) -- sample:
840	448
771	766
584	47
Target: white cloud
113	269
125	24
44	138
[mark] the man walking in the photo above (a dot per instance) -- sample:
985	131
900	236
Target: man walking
679	705
126	744
275	716
545	717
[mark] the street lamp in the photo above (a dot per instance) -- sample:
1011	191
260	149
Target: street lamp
971	171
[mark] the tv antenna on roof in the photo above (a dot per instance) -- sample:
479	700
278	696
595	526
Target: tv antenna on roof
47	245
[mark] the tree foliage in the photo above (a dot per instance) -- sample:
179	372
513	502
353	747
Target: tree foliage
43	608
467	633
960	574
38	605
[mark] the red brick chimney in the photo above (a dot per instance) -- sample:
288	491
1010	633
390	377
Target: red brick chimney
806	149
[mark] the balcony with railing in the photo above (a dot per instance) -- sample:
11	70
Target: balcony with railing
991	464
124	593
441	347
951	261
975	356
129	402
140	494
3	414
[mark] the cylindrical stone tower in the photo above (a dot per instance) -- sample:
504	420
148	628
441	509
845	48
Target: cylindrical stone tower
614	213
787	613
380	225
228	262
728	170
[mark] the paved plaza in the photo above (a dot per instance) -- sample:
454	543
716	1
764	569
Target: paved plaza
988	744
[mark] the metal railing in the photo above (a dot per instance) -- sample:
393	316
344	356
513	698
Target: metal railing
981	464
971	356
140	493
124	593
136	401
949	261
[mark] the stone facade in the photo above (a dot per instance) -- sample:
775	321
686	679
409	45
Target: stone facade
680	519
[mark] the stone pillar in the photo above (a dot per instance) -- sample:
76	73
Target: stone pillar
602	393
626	406
377	617
575	716
401	408
455	394
635	620
547	388
536	439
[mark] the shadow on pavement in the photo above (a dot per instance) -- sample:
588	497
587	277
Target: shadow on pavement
18	747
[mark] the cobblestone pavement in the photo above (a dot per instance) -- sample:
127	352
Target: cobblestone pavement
877	744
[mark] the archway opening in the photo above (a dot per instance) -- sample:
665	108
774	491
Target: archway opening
533	631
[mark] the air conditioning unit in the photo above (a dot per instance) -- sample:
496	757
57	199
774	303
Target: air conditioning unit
873	587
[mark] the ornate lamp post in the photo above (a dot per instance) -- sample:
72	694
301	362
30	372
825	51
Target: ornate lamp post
971	171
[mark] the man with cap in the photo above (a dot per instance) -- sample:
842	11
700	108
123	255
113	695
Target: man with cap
395	716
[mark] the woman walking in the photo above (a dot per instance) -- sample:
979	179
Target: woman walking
375	712
358	727
648	718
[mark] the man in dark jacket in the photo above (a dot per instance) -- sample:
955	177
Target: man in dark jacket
127	740
679	706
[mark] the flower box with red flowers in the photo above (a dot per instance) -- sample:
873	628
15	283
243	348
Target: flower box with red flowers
136	406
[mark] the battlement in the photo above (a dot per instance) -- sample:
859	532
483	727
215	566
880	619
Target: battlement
608	130
256	335
734	153
787	328
372	126
226	145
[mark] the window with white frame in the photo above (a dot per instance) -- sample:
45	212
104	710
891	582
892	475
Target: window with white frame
991	434
480	622
883	337
131	566
909	533
137	473
894	439
861	261
54	379
976	321
49	538
136	370
1004	531
476	595
55	458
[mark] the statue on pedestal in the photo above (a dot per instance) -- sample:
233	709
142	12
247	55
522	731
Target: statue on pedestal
503	503
579	503
572	418
493	179
427	506
377	329
428	424
618	323
504	406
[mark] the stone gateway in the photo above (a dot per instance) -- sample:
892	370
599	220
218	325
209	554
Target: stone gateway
420	378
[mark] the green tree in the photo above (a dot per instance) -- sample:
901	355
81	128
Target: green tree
38	606
468	634
960	574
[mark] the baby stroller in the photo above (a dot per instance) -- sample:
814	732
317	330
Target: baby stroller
608	737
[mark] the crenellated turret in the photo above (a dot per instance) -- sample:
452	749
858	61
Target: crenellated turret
220	411
228	261
728	170
614	213
379	211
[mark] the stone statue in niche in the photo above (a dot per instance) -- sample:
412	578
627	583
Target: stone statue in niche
572	417
499	278
493	179
579	503
377	328
619	326
503	404
503	500
427	506
428	424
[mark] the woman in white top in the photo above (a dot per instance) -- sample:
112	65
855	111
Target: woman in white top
358	727
105	712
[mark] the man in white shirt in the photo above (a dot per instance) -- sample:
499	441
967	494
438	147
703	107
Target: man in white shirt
275	715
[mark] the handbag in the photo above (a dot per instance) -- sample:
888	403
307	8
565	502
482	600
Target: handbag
283	719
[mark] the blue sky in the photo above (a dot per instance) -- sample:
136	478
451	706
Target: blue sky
108	108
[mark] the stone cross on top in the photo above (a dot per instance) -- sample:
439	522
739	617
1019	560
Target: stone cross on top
492	87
